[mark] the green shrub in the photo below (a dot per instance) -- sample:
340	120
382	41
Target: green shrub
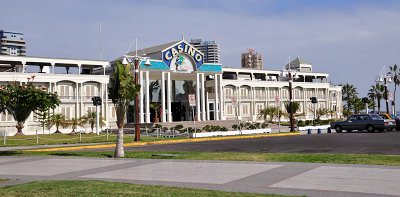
157	126
235	126
223	129
165	128
264	125
257	125
308	122
178	127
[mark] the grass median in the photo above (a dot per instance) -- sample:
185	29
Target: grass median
103	188
53	139
393	160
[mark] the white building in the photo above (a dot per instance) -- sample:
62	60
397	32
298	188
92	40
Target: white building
75	90
177	70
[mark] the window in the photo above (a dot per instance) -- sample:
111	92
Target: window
64	90
229	109
113	112
91	109
245	109
6	117
66	111
91	90
259	107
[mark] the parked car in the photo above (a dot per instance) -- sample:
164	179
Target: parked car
397	119
391	123
369	122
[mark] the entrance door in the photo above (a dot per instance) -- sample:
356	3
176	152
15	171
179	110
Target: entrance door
211	107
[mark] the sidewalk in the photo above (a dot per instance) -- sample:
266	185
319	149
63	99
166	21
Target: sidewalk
311	179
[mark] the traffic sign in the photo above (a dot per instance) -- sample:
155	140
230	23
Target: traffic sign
234	101
276	99
192	100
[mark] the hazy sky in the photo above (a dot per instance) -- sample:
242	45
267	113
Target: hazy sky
350	40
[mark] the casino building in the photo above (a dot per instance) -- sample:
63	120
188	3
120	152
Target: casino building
176	70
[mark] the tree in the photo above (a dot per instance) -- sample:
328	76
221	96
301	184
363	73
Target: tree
91	118
268	112
57	120
122	91
372	96
379	93
396	80
155	106
4	97
348	92
75	122
25	99
296	107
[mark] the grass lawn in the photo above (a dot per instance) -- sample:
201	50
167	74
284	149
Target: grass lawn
102	188
393	160
49	139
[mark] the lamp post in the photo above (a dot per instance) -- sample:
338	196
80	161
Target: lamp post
385	79
136	60
291	94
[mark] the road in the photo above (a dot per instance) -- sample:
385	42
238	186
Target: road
351	143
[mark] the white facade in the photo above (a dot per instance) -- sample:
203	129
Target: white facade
74	90
257	89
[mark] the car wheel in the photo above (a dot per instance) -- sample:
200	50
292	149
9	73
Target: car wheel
349	131
390	129
370	128
338	129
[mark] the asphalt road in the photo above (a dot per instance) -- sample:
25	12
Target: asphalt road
351	143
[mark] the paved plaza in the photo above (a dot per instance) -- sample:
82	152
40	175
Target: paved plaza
309	179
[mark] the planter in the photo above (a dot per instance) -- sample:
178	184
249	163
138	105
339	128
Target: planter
314	127
230	133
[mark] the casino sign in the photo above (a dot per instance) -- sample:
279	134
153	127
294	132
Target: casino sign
182	57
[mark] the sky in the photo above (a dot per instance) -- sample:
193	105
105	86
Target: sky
351	40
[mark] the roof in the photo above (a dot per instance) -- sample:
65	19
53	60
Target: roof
298	61
150	50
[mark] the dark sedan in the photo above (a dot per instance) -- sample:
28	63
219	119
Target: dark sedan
369	122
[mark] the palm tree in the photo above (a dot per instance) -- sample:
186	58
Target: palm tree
379	93
296	107
270	112
348	92
57	120
155	106
91	118
122	91
74	123
372	95
154	85
394	71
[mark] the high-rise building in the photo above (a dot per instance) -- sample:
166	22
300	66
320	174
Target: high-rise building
12	43
210	49
252	59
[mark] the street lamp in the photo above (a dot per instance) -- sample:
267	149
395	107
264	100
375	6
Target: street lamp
296	76
385	79
135	59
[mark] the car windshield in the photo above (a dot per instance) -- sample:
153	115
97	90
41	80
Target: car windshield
383	116
376	117
393	116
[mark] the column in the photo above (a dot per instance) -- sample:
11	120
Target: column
208	108
81	93
107	111
147	97
253	104
141	114
79	69
52	67
238	102
198	96
102	99
76	100
163	98
203	99
169	116
221	108
23	67
216	111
